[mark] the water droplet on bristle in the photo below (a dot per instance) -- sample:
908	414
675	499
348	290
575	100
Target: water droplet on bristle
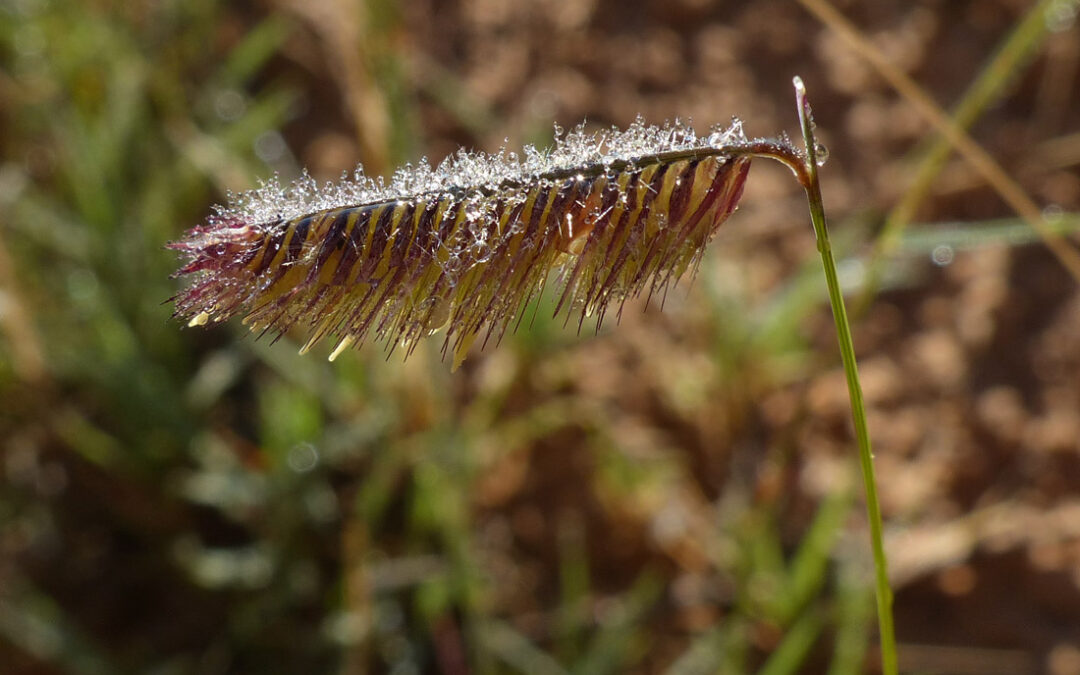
1053	213
821	154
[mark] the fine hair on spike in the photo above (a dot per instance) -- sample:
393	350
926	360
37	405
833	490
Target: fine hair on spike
467	245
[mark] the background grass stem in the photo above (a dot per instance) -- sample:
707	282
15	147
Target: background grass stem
1015	52
991	171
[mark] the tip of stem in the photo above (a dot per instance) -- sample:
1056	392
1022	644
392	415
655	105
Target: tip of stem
800	88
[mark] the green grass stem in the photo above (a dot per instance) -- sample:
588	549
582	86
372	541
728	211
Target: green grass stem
805	168
809	178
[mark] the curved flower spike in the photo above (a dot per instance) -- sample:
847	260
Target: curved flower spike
467	245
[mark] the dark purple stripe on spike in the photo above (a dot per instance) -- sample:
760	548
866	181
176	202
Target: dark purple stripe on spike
529	248
536	214
499	257
274	235
296	241
680	193
425	231
332	241
679	202
708	203
599	225
636	231
380	237
565	195
468	304
405	241
631	193
354	249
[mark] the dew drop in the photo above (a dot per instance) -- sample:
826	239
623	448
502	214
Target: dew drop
1053	213
943	255
230	105
302	457
821	154
270	147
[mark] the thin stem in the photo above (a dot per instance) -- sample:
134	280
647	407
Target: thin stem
858	410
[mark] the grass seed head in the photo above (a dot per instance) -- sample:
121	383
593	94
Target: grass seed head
467	245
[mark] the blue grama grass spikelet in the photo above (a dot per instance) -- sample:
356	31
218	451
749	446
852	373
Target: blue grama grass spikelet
468	245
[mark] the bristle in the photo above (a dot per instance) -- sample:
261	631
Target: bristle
469	246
